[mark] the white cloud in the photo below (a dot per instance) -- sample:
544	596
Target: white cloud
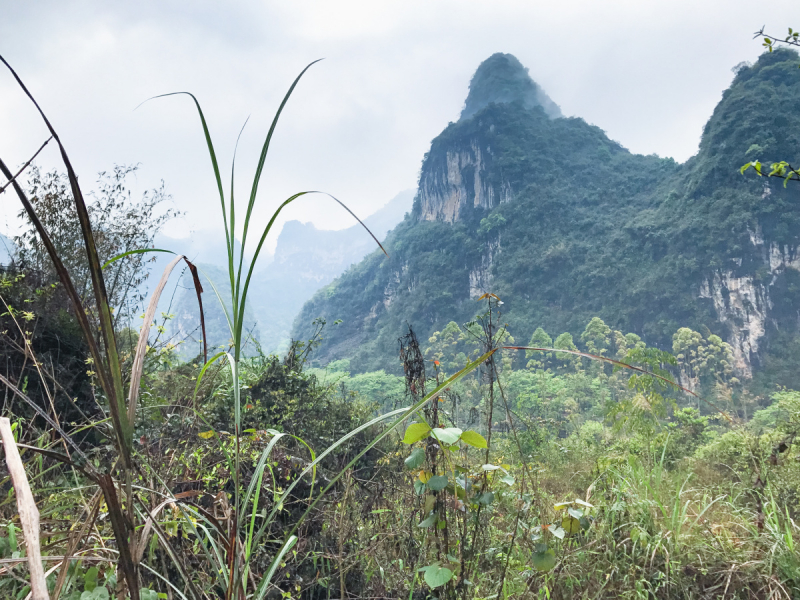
395	73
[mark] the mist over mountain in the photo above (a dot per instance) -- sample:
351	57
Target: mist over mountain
305	259
501	79
565	224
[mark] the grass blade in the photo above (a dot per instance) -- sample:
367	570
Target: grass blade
260	168
66	281
141	347
264	586
243	299
129	252
114	390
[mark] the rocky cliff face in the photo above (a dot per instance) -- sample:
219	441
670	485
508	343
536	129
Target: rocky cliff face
565	224
447	187
743	302
456	177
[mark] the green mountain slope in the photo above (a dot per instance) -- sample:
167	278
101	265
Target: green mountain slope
564	224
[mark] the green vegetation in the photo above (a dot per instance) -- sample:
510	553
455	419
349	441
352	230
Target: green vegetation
646	244
619	453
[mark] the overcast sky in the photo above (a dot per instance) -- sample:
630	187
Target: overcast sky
395	72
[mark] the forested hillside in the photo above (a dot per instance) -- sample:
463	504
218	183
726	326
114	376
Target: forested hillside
564	224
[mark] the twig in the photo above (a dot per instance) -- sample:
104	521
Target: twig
25	166
28	513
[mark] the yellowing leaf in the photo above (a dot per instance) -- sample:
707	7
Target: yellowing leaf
207	434
570	525
415	432
474	439
424	476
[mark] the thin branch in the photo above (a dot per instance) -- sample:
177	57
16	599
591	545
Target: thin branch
25	166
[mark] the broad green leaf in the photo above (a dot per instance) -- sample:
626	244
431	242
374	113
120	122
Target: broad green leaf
437	483
429	502
415	459
437	576
488	467
101	593
473	438
582	503
557	531
486	498
575	513
415	432
90	579
447	435
544	561
429	521
585	523
507	479
571	525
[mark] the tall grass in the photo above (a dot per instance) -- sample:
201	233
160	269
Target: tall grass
228	547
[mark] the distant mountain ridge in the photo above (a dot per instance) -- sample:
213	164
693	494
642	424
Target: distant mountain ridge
305	259
565	224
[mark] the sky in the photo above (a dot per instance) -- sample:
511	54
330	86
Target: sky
648	72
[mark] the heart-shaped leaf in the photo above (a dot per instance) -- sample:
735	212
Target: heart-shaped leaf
544	561
430	520
446	435
571	525
415	432
437	483
486	498
437	575
473	438
575	513
416	458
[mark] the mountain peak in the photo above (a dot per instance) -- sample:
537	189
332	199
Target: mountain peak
501	78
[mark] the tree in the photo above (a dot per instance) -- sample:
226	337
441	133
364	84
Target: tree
569	362
702	361
120	225
539	339
597	336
